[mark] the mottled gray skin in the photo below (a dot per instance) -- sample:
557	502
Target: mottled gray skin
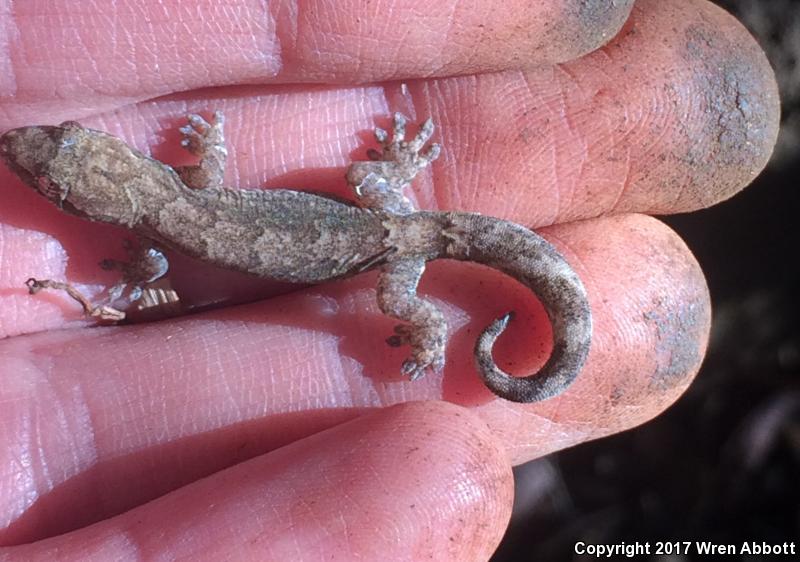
305	238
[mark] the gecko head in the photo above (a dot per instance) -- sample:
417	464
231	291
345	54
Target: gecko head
70	166
30	152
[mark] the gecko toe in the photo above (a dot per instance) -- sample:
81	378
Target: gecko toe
399	128
198	123
418	364
381	135
431	154
412	370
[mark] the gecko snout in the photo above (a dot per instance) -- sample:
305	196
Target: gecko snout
26	150
12	150
7	141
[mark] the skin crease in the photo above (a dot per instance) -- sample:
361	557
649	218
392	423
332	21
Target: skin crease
99	421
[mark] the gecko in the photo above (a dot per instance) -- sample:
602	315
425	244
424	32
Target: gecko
303	237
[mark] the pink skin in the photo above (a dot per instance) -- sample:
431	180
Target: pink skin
96	422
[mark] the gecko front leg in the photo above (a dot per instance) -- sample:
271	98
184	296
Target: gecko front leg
379	184
146	264
101	312
207	141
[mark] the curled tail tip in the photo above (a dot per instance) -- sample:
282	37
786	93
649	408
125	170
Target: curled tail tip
493	330
533	261
557	374
484	361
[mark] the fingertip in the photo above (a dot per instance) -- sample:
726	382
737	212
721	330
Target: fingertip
651	313
588	25
718	103
740	92
679	111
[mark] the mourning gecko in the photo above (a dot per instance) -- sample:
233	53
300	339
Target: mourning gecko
303	237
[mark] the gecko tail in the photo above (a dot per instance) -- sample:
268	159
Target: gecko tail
534	262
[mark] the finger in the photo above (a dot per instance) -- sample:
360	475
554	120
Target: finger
677	113
417	481
125	414
111	54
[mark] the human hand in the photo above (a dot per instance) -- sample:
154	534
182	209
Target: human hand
258	431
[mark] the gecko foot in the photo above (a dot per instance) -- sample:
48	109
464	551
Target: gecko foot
379	183
425	355
201	136
427	349
425	329
205	140
101	312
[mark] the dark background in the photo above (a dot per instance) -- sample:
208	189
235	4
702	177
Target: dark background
723	463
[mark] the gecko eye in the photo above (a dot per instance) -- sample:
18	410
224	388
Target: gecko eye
50	189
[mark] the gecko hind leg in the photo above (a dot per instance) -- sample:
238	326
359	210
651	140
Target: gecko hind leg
205	140
426	331
379	183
